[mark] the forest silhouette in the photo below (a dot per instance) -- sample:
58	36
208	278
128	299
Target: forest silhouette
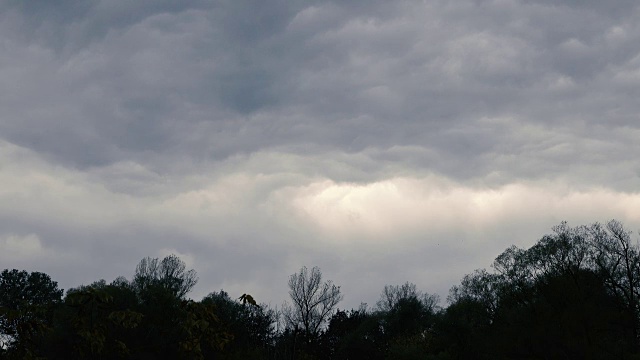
574	294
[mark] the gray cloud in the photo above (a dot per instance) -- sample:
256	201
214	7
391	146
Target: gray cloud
361	136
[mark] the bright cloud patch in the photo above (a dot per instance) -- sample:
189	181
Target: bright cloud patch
248	226
384	209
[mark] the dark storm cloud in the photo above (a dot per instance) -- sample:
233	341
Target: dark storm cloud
122	80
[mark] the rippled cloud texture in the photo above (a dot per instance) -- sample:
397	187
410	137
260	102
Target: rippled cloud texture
384	141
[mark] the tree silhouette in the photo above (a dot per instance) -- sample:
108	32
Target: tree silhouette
313	301
575	293
170	274
27	301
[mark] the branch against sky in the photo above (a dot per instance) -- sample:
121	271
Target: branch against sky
313	301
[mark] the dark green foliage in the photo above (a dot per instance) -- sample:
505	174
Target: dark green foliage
27	301
462	331
250	324
568	296
570	315
94	322
247	299
401	328
355	334
125	320
407	317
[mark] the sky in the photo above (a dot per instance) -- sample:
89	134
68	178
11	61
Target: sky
383	141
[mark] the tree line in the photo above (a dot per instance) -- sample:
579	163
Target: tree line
574	294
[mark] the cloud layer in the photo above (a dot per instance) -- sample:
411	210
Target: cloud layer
382	141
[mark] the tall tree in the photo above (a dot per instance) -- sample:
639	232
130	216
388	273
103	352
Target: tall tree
169	273
354	334
250	325
26	306
313	301
583	279
617	259
96	321
394	294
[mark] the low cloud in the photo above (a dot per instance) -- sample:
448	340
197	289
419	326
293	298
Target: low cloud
245	228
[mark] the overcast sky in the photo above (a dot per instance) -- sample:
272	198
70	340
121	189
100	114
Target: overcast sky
383	141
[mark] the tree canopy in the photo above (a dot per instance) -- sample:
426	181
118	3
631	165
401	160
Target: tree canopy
26	306
575	293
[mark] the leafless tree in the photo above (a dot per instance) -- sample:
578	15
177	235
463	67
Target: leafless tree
393	294
169	273
313	301
617	260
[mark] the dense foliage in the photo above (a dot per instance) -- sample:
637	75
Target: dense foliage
574	294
